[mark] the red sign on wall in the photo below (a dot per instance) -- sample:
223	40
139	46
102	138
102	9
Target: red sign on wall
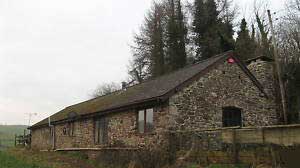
231	60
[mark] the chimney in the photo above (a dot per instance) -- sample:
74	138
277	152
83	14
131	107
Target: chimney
124	84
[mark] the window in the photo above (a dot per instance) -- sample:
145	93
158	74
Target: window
101	132
232	116
145	120
71	128
68	130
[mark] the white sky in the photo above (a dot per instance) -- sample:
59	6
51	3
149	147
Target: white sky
54	53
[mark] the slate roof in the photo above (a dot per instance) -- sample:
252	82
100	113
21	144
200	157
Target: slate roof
154	89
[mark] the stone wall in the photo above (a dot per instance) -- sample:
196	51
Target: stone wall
123	128
122	132
251	145
83	135
41	139
199	105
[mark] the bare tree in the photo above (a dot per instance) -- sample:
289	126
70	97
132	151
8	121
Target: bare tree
227	11
104	89
262	37
288	33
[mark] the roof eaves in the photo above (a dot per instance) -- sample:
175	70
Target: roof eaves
157	99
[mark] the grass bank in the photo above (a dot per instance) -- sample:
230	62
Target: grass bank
47	159
10	161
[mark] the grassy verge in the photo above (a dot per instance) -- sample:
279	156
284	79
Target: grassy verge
228	166
218	166
9	161
49	159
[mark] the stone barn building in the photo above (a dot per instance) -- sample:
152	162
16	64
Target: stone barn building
218	92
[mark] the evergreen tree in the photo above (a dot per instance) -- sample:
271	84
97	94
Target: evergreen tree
244	42
253	33
176	35
265	45
226	36
207	35
157	52
182	33
226	15
213	27
148	48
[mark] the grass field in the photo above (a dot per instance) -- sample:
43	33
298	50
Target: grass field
22	158
7	134
37	159
9	161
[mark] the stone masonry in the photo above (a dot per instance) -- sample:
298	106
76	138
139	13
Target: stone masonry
195	107
122	132
41	139
199	106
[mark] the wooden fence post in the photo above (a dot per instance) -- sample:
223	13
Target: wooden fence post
24	143
234	147
15	140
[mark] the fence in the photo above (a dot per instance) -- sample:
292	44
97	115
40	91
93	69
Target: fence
23	140
233	145
283	135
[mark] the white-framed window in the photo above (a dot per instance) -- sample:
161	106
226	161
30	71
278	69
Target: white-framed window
145	120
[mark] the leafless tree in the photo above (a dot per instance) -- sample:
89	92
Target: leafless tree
104	89
288	32
288	36
227	11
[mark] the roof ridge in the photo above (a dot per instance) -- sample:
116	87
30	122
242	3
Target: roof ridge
181	69
166	87
148	80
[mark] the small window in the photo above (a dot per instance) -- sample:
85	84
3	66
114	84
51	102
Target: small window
232	116
64	131
145	120
101	131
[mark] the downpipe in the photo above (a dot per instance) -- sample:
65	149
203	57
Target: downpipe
52	132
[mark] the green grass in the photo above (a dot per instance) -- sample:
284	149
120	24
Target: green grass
227	166
8	161
192	166
50	159
8	132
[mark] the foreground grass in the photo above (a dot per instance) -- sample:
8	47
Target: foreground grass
227	166
21	158
9	161
39	159
219	166
8	132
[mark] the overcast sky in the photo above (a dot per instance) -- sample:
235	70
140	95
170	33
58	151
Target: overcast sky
53	53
